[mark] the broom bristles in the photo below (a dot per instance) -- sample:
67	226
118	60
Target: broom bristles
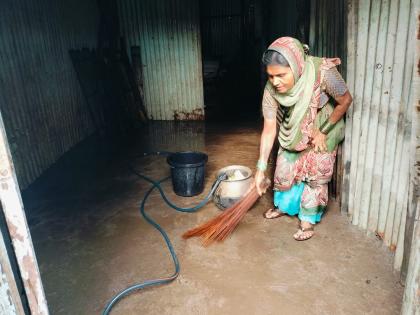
221	226
203	228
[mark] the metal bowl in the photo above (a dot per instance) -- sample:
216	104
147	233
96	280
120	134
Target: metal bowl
230	191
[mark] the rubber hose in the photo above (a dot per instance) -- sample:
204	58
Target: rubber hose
160	281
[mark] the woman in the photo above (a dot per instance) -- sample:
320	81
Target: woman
299	95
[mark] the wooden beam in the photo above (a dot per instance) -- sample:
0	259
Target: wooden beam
18	229
10	301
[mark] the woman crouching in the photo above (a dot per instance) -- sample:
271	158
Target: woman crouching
307	97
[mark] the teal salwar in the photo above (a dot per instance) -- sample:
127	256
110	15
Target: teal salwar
289	202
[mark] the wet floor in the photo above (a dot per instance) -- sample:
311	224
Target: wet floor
91	242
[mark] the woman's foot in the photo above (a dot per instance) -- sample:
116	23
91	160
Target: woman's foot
273	213
305	232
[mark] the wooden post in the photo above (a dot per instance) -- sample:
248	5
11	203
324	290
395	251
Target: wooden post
10	301
18	228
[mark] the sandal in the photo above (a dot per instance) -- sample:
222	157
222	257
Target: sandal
303	233
273	214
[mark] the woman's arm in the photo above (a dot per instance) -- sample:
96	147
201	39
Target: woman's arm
335	87
268	135
343	104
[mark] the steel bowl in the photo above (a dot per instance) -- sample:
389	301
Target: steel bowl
232	190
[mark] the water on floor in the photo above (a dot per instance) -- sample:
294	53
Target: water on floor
91	242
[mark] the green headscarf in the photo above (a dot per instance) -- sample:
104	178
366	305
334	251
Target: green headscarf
297	100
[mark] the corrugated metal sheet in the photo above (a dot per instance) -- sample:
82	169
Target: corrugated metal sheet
327	35
168	34
379	68
44	110
282	16
221	23
411	300
327	30
378	129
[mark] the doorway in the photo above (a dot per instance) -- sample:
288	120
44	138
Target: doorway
231	44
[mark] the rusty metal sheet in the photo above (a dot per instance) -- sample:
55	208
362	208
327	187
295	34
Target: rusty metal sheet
10	302
14	213
168	34
195	114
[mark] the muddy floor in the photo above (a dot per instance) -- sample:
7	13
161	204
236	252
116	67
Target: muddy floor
91	241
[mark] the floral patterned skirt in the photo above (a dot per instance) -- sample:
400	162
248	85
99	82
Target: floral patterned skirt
311	168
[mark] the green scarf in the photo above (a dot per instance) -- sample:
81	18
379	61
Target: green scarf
296	102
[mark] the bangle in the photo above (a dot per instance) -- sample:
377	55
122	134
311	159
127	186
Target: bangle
261	165
326	127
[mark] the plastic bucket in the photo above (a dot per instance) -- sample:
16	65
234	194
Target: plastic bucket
187	172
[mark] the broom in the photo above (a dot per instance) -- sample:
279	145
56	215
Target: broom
221	226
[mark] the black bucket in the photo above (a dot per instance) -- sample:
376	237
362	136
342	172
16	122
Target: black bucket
187	172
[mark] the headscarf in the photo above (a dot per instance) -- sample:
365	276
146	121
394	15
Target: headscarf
298	99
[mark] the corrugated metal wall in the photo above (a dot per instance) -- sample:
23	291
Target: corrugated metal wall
411	263
378	65
378	130
168	33
282	19
41	101
221	23
327	35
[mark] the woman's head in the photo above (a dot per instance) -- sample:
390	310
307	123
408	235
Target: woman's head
284	60
278	71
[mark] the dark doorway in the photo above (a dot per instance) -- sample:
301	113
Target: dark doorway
234	34
230	49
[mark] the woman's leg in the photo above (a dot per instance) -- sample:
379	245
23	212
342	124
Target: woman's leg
273	213
316	170
313	204
283	181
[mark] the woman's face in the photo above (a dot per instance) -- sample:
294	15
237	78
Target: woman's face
281	77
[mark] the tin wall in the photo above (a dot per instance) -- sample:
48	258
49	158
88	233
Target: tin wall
222	23
327	33
411	300
43	107
168	34
282	19
380	63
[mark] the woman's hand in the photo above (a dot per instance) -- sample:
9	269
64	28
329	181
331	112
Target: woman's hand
319	141
267	139
259	179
